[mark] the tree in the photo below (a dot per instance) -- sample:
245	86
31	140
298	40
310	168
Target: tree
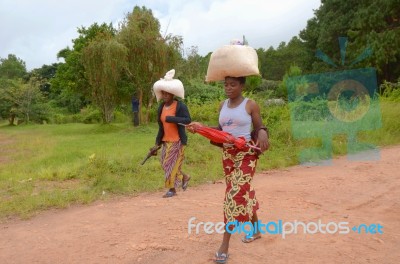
332	20
150	55
190	66
309	36
64	85
377	24
275	62
45	73
70	84
24	100
370	23
6	106
105	60
12	67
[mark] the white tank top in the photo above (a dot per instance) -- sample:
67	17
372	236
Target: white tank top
236	120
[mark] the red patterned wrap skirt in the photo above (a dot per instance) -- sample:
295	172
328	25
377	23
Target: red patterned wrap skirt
240	198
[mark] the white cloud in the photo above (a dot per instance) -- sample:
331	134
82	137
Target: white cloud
35	30
263	22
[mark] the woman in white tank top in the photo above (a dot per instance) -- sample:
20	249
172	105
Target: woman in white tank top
237	116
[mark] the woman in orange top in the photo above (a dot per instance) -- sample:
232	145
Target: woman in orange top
170	135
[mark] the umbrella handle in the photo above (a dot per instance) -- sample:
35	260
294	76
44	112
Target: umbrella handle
192	131
254	147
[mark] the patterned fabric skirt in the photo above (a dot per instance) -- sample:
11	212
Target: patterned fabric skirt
240	199
172	156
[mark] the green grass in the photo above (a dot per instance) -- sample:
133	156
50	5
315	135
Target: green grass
54	166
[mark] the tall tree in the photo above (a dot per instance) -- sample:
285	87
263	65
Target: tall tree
377	24
12	67
150	55
190	67
45	73
7	109
70	82
104	60
332	20
369	23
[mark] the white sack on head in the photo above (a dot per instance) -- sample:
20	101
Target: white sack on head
169	85
232	60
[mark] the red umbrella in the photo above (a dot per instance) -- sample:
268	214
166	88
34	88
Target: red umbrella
219	136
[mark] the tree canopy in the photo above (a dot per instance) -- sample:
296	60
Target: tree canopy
105	60
370	23
106	66
150	55
12	67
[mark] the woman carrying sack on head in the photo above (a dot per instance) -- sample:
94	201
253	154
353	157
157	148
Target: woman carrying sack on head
238	116
171	136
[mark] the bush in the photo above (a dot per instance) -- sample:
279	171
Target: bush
282	91
60	118
314	110
391	91
268	86
90	115
252	83
207	113
201	93
120	117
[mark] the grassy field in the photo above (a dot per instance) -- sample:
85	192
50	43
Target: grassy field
54	166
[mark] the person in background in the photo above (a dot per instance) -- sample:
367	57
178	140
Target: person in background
135	111
171	135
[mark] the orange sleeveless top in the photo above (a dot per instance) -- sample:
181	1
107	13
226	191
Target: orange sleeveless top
170	129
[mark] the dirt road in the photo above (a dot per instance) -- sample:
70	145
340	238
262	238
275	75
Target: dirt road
150	229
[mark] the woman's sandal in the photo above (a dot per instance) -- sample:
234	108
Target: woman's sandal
249	239
185	183
169	194
221	257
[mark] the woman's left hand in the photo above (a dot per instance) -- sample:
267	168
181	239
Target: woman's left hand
192	126
262	140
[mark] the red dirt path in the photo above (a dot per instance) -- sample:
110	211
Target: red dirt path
150	229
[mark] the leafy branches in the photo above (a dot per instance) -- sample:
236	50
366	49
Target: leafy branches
105	60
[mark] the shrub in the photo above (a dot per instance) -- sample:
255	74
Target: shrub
201	93
91	115
120	117
207	113
314	110
391	91
268	86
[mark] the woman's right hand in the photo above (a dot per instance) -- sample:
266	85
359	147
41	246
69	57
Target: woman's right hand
154	149
192	126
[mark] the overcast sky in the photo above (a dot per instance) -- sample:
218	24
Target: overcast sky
35	30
